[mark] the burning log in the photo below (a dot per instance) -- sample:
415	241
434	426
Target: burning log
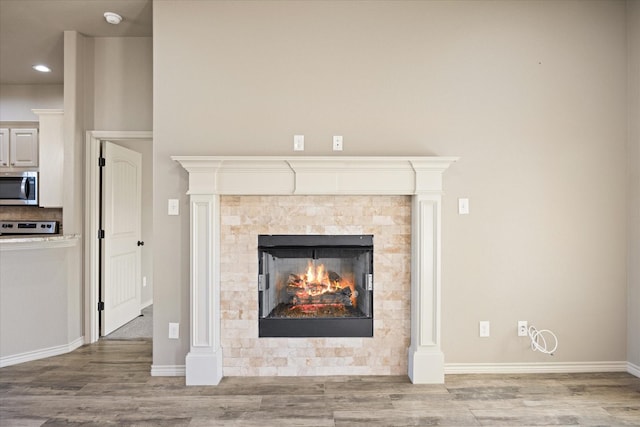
298	280
311	289
334	277
341	296
295	280
320	289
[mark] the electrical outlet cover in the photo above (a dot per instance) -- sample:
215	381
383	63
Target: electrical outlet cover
337	143
523	328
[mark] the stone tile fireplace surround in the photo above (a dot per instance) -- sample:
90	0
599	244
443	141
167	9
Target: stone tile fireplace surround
233	199
243	218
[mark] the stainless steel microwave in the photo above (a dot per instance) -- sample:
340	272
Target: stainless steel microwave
19	188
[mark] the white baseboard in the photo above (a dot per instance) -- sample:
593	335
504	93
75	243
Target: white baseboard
534	368
479	368
146	304
168	370
30	356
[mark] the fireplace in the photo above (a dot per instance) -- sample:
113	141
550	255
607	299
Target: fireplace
315	285
213	177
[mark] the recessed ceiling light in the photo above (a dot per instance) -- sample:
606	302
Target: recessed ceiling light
112	18
42	68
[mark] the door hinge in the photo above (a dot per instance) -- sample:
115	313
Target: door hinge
101	162
101	306
100	234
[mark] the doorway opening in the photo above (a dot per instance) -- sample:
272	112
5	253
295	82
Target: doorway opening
94	255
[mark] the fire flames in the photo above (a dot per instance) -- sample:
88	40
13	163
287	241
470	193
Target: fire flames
318	276
318	286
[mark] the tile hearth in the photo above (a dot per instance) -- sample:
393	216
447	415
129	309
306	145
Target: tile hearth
211	179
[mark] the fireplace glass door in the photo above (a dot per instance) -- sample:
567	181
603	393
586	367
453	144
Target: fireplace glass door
315	286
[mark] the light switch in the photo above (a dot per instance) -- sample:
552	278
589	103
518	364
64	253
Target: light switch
298	142
484	329
174	331
174	207
463	206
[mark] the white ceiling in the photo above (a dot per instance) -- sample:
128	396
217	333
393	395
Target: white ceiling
31	32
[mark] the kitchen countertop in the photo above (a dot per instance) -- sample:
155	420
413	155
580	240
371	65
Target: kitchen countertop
42	241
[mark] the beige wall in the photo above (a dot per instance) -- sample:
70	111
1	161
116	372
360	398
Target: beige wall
17	101
633	46
112	80
78	75
531	95
123	83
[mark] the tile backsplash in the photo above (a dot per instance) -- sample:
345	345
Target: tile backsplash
31	213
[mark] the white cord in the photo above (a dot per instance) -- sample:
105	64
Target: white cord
539	343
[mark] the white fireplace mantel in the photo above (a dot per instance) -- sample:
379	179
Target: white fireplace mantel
212	176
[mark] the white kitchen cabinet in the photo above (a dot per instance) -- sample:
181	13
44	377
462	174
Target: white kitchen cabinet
23	148
51	147
4	147
18	148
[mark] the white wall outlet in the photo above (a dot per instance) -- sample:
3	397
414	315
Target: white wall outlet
174	331
337	143
298	142
463	206
173	207
523	328
485	328
144	281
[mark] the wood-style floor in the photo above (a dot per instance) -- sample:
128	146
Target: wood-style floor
108	383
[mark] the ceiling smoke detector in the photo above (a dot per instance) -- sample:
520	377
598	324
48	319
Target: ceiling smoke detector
112	18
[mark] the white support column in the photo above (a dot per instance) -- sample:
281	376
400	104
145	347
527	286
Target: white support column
426	360
204	360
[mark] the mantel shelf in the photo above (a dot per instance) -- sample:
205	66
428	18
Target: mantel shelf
264	175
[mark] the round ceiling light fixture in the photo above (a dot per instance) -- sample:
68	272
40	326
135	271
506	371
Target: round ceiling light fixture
42	68
112	18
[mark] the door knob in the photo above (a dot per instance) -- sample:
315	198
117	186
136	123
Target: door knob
140	243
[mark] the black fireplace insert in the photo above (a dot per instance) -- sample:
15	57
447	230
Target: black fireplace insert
315	285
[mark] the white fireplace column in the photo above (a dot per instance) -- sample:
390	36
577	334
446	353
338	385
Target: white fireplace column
426	360
212	176
204	360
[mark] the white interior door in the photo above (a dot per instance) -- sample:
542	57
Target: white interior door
121	219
